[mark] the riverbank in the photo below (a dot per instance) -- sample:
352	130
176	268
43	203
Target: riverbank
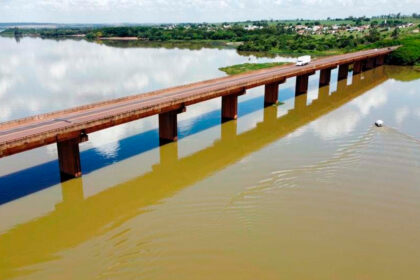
246	67
280	39
120	38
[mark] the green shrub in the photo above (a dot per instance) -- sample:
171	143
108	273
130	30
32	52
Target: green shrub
408	54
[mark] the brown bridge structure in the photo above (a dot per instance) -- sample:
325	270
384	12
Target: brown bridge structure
68	128
77	218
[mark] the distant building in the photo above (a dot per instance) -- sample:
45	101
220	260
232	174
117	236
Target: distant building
299	27
316	28
252	27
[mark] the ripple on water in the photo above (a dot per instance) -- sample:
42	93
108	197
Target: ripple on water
379	167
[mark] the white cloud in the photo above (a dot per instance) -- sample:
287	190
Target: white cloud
336	125
370	101
192	10
401	114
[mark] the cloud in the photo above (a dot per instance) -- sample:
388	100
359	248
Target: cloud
401	114
370	101
337	125
193	10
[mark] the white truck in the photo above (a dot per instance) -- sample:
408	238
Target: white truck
303	60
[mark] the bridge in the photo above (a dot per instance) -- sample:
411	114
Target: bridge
78	218
68	128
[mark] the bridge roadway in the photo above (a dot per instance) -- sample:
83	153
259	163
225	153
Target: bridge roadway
70	127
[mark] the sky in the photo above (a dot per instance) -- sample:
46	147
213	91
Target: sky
168	11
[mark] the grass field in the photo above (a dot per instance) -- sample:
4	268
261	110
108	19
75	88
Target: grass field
246	67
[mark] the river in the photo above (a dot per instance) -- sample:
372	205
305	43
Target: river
309	189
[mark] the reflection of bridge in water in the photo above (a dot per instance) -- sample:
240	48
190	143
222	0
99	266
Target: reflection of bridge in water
76	219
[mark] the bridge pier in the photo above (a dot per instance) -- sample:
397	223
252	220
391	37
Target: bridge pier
302	83
69	158
357	67
369	63
379	60
230	106
168	126
271	94
343	71
325	77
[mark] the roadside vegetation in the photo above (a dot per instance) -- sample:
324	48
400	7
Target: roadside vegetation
296	37
242	68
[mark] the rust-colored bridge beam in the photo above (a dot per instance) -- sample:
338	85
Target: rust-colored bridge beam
343	71
271	93
230	106
69	157
302	83
168	126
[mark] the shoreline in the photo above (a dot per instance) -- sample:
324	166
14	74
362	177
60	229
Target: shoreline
119	38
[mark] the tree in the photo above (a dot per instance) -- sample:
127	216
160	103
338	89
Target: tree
16	32
373	35
395	33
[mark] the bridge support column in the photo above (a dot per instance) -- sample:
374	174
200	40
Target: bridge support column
69	159
168	126
369	63
271	94
379	60
302	84
325	77
343	71
357	67
230	106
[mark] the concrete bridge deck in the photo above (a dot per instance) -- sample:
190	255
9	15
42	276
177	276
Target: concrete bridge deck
69	127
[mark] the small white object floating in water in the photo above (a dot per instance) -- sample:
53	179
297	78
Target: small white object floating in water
379	123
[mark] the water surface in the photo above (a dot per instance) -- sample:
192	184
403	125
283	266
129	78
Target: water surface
309	189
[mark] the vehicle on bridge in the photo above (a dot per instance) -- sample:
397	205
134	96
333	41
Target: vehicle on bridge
303	60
